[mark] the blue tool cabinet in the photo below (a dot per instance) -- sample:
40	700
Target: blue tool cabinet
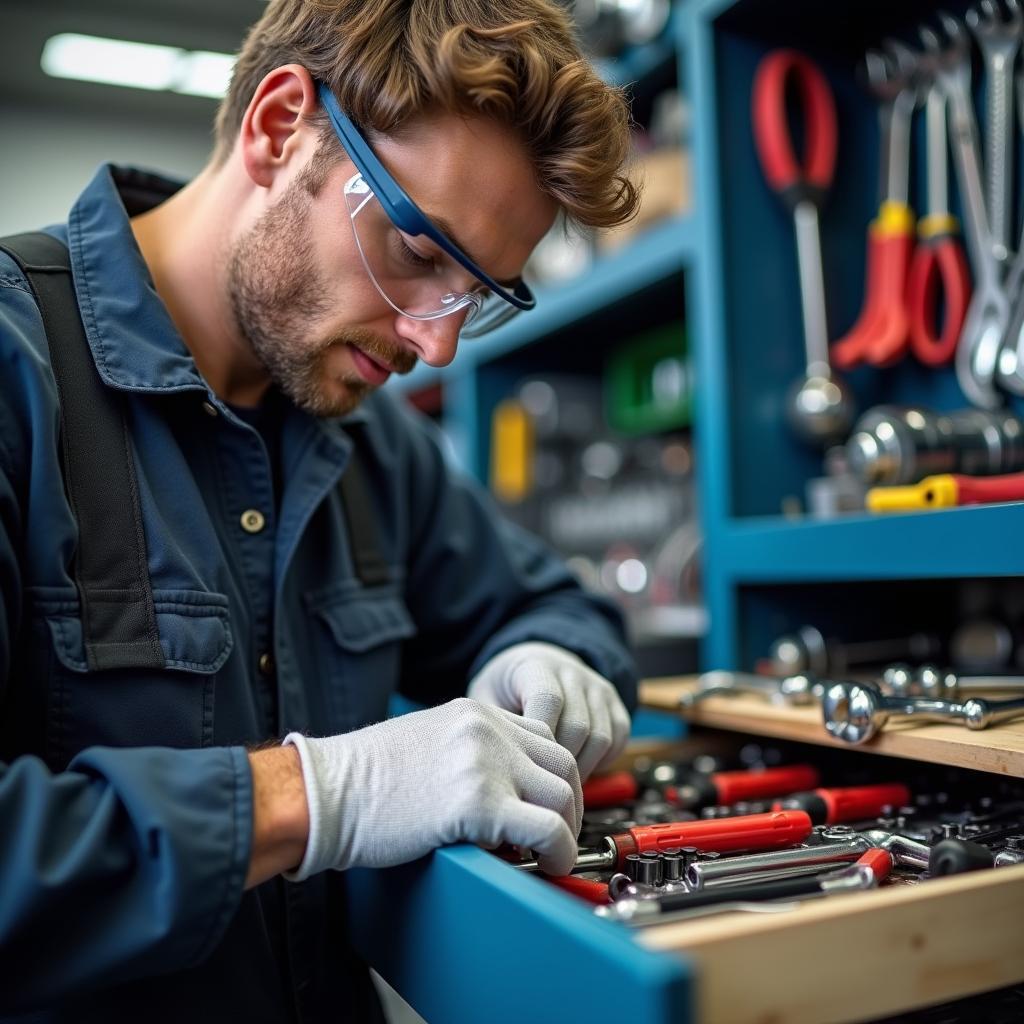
465	938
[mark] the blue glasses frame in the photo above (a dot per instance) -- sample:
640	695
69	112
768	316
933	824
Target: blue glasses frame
401	210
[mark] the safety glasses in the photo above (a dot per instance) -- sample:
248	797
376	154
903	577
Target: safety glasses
418	280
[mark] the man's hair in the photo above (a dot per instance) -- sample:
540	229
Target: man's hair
515	61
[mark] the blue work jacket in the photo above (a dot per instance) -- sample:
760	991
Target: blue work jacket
126	795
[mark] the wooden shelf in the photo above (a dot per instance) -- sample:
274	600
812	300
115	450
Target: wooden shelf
999	749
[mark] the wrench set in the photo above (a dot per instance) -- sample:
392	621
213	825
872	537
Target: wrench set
911	282
646	859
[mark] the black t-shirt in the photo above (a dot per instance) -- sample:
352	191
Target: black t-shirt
268	419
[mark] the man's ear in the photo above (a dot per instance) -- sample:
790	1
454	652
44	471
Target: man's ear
276	121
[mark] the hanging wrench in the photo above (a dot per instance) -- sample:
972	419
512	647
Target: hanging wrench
939	276
989	312
1011	357
881	333
999	41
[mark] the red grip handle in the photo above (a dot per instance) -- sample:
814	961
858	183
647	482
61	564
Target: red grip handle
881	333
880	862
980	490
748	785
585	888
609	790
937	261
723	835
852	803
890	336
771	127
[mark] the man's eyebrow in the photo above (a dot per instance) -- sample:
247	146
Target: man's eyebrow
445	228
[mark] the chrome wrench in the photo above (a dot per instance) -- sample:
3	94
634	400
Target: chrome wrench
1011	357
1000	41
989	312
856	712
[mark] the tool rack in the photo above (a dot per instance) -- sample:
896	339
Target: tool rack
464	937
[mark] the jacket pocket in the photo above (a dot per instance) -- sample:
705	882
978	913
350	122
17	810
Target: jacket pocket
171	706
359	639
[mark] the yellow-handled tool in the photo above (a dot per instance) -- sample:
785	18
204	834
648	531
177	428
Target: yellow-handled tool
947	490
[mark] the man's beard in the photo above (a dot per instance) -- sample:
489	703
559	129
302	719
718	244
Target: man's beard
277	297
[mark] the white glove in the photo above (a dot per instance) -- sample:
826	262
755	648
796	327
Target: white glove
392	792
551	685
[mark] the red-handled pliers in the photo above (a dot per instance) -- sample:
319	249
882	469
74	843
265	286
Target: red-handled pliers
939	262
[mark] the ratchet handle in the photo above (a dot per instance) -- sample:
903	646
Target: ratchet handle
731	787
846	803
721	835
939	264
795	182
610	790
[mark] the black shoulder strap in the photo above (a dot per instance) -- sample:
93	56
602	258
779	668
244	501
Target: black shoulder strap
362	528
118	618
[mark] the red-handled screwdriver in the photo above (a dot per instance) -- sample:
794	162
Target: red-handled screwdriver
846	803
721	835
704	790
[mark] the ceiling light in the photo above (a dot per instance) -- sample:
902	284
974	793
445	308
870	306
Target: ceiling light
137	65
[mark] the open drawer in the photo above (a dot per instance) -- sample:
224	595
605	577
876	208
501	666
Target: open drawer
464	937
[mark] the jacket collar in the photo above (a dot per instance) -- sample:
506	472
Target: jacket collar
133	339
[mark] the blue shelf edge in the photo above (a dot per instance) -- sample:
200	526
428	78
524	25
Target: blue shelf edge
939	544
648	259
463	938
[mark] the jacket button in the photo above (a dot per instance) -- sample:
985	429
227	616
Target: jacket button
253	520
210	409
266	663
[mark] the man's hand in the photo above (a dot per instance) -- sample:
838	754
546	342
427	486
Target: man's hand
392	792
551	685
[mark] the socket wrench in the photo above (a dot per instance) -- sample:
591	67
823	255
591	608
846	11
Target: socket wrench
855	712
871	868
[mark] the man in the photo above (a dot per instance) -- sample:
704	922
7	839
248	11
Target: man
382	173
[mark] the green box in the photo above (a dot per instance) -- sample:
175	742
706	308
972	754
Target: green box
648	383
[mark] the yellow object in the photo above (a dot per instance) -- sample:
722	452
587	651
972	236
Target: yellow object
894	219
511	452
932	492
937	224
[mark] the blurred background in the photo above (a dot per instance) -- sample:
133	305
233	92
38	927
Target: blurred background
57	130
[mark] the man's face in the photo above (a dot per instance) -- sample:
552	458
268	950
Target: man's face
301	296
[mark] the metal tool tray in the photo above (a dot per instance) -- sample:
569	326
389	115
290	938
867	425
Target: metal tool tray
465	938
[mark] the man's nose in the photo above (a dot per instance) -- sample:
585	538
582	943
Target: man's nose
435	341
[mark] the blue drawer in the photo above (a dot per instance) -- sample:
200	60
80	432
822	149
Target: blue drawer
467	939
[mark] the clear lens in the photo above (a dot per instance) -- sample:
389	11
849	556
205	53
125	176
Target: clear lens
412	275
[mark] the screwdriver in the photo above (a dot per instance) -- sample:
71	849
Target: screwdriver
720	835
846	803
704	790
947	490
